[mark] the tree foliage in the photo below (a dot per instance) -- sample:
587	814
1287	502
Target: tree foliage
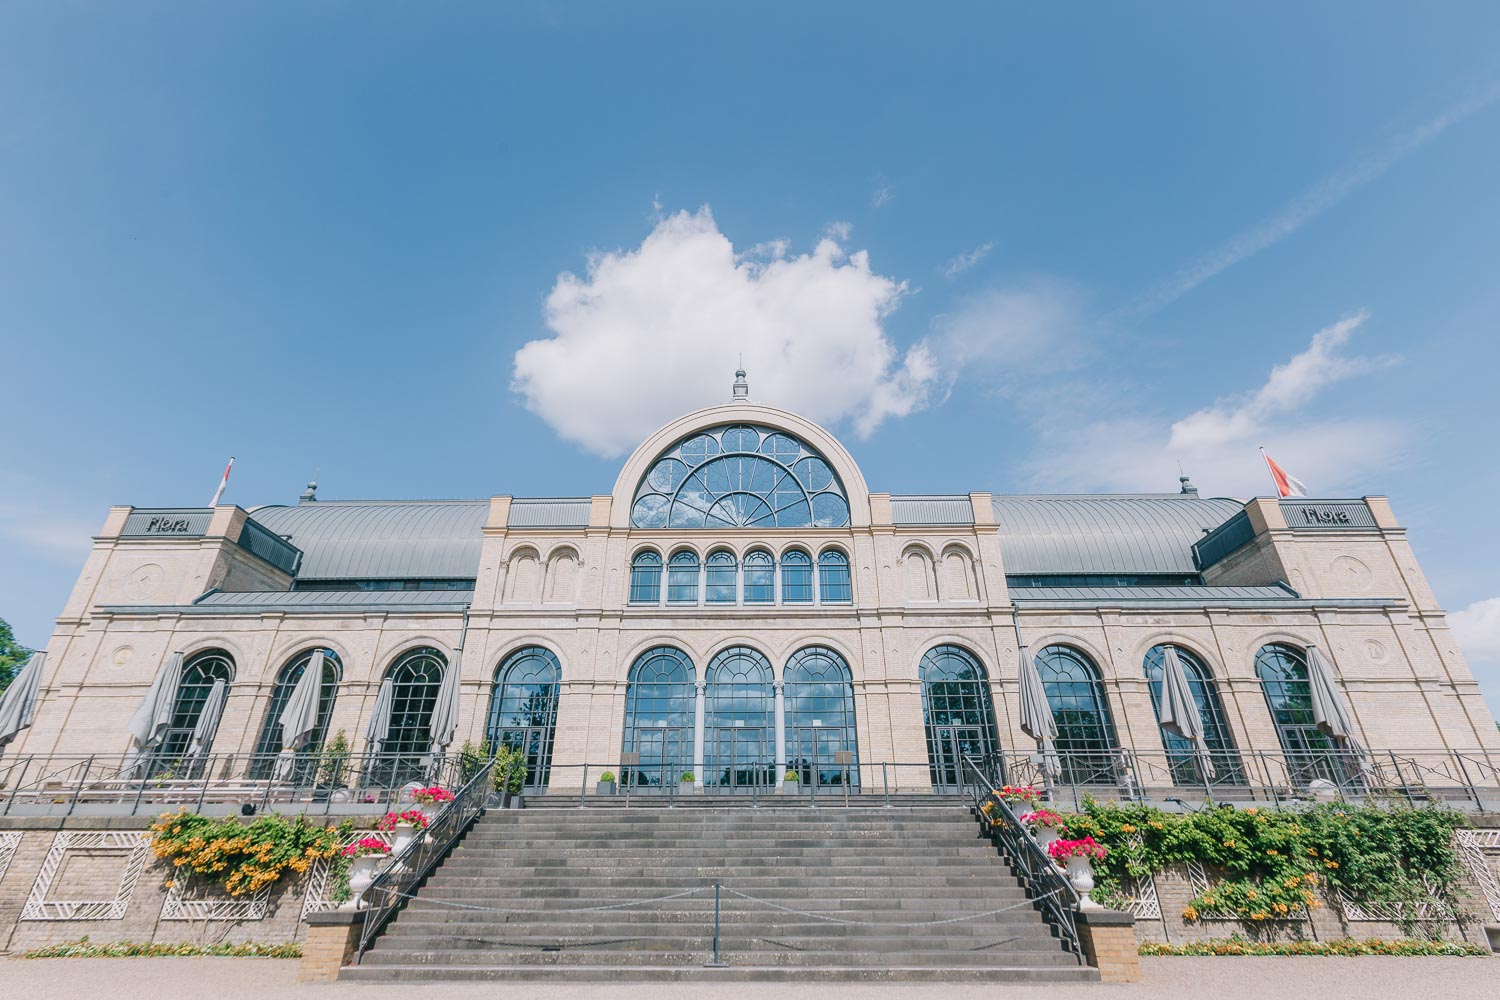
13	655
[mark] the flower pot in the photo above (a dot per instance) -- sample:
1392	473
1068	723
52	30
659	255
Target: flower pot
604	788
1045	835
686	788
362	872
790	787
1081	874
405	834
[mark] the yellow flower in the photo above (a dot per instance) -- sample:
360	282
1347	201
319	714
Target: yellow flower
1190	913
1330	864
1127	828
1228	843
1273	853
1251	811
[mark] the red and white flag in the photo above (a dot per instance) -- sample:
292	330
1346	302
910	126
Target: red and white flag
1287	485
222	483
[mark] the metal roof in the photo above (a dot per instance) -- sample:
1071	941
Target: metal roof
935	510
382	539
1181	597
566	513
309	602
1106	534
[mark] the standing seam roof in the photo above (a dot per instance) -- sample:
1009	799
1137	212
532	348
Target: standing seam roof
1106	534
383	540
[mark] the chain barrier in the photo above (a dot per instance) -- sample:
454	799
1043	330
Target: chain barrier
579	909
883	923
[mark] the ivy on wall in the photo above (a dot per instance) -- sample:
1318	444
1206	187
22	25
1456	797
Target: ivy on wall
1275	861
241	859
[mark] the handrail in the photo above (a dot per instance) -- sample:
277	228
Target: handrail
407	870
1038	873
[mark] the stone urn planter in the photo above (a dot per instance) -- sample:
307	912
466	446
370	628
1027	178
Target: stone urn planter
362	872
1081	874
405	834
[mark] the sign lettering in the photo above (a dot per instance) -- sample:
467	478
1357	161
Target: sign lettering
167	526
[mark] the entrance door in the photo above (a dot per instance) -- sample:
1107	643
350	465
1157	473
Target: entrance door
533	742
663	759
951	744
739	759
813	754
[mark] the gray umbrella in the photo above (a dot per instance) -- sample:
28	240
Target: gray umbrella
18	704
154	716
1036	714
299	720
1330	712
380	717
445	710
1178	712
208	719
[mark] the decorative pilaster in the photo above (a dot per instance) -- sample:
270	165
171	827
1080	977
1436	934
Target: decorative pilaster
780	687
699	711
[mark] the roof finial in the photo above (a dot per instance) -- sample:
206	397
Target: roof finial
741	387
310	495
1188	489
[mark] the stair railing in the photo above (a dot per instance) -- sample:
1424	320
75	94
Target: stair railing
1039	874
407	870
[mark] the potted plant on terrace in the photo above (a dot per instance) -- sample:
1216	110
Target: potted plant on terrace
687	785
333	768
606	785
366	855
405	825
1079	856
509	776
1044	825
790	783
430	801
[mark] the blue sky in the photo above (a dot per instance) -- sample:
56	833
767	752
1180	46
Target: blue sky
995	247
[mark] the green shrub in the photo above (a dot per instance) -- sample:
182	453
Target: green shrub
607	776
1344	947
131	949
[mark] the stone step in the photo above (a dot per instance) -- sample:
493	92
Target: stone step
736	973
686	956
744	924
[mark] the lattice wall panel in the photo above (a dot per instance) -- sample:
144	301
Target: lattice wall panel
130	850
318	887
1480	851
8	844
191	902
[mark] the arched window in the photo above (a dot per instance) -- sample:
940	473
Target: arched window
819	697
179	754
1310	753
645	578
523	708
834	586
682	578
739	721
740	476
720	583
1182	756
415	679
659	718
957	711
760	578
269	744
796	577
1085	729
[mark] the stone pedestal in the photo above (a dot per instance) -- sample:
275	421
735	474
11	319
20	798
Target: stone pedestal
1108	939
1492	934
332	936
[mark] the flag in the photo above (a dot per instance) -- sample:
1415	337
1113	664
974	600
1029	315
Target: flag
222	483
1287	485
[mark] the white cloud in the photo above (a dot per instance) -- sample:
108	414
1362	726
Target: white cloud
1478	629
882	196
1320	198
1217	445
838	231
962	262
1012	330
653	332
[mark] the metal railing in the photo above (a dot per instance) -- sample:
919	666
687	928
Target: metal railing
1045	885
409	869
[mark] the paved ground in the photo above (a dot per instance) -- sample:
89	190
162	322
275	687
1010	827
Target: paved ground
1173	978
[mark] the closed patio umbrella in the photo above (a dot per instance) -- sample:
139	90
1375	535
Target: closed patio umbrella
154	716
1178	712
380	718
1036	714
299	720
208	719
18	704
445	710
1330	712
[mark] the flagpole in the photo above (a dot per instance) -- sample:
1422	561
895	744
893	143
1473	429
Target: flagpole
1275	486
218	493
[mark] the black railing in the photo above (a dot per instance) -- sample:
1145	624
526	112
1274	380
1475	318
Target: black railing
1044	883
409	869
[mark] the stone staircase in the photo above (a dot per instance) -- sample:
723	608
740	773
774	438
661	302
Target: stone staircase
509	902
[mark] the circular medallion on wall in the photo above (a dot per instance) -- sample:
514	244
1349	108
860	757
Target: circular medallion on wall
145	581
1375	651
1352	574
120	657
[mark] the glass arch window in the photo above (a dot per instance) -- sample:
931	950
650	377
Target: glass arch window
645	578
1182	757
796	577
199	674
760	577
739	721
740	476
1310	753
523	708
415	679
659	704
834	585
957	711
682	578
819	698
721	582
1086	738
269	744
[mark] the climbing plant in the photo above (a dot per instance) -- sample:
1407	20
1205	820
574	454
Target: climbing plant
241	859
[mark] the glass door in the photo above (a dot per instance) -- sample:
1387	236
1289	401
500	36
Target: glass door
531	740
814	754
739	760
661	761
951	745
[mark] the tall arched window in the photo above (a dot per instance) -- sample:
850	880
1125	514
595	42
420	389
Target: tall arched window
659	718
796	577
269	744
199	675
1182	756
834	586
682	578
1086	737
819	697
415	679
645	578
760	577
720	583
739	722
957	711
1310	753
523	708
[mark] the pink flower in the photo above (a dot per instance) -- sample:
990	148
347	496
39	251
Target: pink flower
1088	847
434	795
366	847
413	816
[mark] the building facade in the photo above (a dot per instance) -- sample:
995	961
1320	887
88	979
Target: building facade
740	606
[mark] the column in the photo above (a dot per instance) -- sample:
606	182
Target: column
780	732
698	713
